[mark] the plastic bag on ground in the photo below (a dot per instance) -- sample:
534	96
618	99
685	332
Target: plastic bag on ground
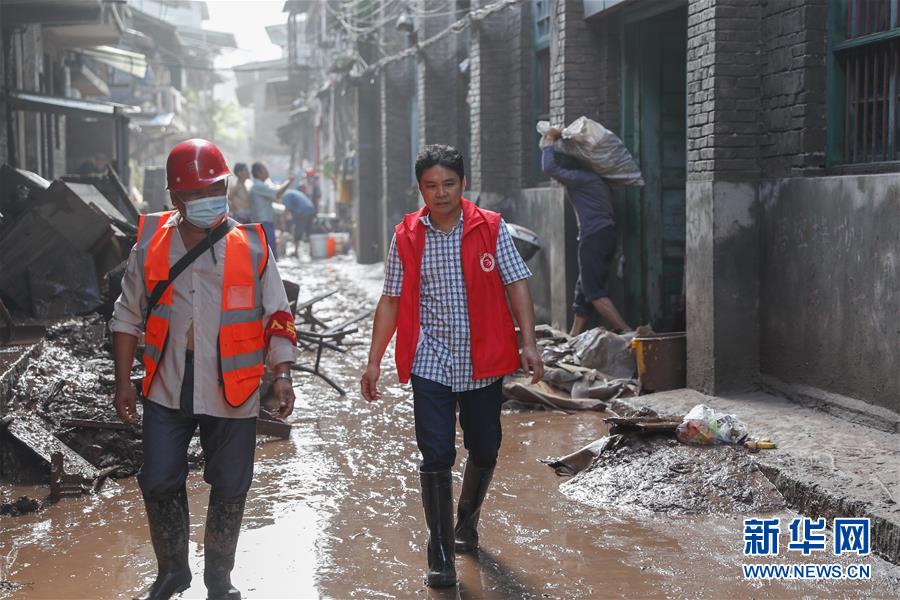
599	148
704	426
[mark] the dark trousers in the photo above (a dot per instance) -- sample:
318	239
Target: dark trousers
435	412
228	446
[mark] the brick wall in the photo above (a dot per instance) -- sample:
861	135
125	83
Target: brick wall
397	82
723	74
439	77
701	48
4	124
499	100
584	72
793	46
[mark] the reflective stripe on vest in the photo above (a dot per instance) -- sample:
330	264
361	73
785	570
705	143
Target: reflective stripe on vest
153	260
241	341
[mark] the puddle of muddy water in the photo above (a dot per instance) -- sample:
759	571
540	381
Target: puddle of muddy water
335	511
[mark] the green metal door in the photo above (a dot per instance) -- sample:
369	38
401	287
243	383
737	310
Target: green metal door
654	129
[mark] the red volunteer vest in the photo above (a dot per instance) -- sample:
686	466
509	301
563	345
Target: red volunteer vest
241	339
492	335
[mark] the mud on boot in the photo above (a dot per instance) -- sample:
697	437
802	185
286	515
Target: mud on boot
223	525
476	481
437	500
169	527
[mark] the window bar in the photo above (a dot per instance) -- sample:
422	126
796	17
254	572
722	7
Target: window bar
848	107
855	106
865	29
877	15
877	67
856	18
865	108
894	98
884	104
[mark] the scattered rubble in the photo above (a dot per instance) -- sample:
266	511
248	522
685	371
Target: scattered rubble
641	465
583	372
659	474
23	505
57	241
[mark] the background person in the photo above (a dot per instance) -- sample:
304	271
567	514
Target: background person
597	238
263	192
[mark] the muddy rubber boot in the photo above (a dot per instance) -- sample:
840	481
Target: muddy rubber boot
437	499
475	485
223	525
169	528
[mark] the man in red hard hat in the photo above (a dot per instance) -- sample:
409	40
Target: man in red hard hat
204	293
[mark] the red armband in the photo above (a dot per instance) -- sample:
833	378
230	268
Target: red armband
281	324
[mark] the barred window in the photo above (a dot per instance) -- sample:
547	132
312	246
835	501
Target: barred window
865	97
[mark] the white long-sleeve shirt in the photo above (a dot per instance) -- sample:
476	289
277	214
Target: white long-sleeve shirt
196	311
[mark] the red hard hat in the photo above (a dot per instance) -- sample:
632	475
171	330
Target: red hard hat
195	164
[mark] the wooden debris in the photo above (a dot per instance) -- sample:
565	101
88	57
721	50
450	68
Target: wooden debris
94	424
62	484
645	425
269	424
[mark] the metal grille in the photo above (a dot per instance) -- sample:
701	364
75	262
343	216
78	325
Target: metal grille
865	17
871	102
870	58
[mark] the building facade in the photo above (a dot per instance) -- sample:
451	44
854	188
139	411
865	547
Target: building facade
766	132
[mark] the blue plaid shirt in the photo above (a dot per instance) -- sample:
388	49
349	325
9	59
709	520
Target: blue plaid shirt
444	353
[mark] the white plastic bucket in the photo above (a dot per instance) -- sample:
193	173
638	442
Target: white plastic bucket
318	245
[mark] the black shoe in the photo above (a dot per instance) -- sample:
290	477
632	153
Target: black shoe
437	499
223	525
475	485
169	528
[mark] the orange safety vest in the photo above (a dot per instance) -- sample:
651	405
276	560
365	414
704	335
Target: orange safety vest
241	340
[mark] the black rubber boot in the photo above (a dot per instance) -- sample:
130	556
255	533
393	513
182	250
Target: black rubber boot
475	485
223	525
437	499
169	528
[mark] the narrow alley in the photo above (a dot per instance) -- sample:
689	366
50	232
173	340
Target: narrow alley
334	511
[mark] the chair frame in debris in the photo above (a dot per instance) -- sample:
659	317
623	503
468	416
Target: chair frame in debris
330	338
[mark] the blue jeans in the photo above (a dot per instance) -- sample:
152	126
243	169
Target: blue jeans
479	415
228	446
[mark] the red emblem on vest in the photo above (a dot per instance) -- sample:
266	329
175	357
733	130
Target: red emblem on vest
487	262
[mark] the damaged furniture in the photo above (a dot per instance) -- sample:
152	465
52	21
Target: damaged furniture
331	339
57	241
319	336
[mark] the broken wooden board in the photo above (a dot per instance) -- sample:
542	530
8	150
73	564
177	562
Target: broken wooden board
95	424
269	424
31	431
643	424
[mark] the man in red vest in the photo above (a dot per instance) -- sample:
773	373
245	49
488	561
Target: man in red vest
205	295
450	271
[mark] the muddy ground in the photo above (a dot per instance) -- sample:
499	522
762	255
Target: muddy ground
658	474
335	511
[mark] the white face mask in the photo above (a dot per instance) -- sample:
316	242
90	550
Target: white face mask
205	212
